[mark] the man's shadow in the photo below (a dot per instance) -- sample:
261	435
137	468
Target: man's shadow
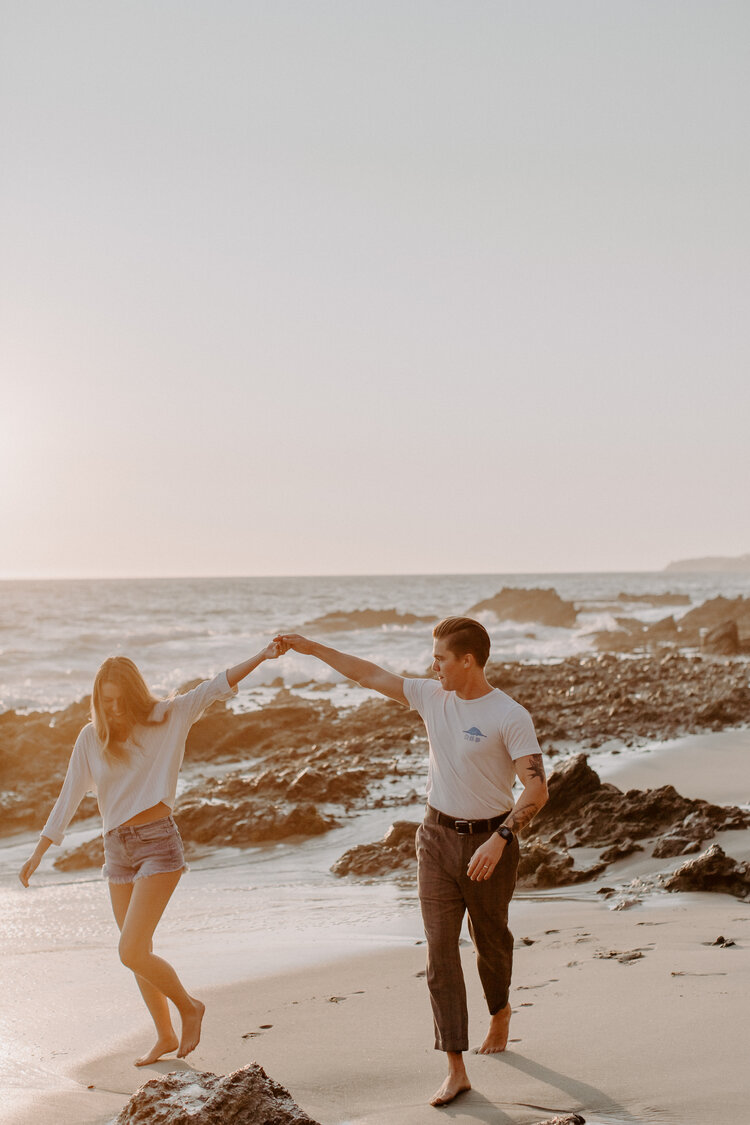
587	1098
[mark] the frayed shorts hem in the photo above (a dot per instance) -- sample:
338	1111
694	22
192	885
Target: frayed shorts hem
123	880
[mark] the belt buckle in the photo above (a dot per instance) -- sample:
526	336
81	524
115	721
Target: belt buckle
463	827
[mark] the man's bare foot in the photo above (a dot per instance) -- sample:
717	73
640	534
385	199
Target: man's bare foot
164	1045
191	1029
456	1083
497	1036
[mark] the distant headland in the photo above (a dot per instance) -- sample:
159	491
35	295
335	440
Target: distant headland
738	565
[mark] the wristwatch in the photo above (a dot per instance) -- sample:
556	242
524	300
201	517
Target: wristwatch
505	833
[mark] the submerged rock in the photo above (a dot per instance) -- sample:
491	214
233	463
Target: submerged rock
712	871
545	607
198	1097
339	620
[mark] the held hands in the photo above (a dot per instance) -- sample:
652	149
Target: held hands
273	650
485	858
294	641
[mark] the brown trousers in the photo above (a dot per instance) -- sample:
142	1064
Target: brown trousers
445	893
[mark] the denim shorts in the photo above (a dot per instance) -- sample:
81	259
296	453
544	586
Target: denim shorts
134	851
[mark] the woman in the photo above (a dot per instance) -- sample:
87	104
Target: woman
130	755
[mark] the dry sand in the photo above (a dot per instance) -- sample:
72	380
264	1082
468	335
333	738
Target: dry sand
660	1038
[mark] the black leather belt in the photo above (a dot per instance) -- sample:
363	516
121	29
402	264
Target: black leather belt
465	827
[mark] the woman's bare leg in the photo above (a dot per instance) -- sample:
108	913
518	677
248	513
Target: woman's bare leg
148	900
156	1001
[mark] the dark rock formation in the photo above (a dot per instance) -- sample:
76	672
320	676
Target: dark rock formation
229	814
655	599
712	871
722	640
590	700
541	866
197	1097
395	852
599	815
566	1119
90	854
545	607
341	621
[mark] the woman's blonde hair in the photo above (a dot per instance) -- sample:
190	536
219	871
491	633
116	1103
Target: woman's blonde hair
137	704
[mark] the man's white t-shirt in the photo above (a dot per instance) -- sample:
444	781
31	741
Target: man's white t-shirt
473	746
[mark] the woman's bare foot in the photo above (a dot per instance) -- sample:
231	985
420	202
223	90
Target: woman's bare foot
497	1036
191	1029
164	1045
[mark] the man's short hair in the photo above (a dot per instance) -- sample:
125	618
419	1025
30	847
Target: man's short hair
463	635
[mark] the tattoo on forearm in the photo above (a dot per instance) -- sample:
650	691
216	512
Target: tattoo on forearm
535	769
522	816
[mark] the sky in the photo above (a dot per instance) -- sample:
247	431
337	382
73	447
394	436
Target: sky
372	286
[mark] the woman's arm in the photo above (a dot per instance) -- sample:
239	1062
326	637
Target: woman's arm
363	672
33	861
239	671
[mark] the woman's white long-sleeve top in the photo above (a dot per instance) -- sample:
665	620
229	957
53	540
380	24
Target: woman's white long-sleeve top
148	777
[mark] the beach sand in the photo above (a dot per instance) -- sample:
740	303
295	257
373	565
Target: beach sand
659	1038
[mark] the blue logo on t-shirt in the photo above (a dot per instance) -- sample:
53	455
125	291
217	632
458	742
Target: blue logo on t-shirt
473	734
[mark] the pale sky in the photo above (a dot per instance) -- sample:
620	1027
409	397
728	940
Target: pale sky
386	286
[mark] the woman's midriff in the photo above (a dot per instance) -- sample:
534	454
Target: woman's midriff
156	812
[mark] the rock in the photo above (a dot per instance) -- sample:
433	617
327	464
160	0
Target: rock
674	844
713	871
197	1097
314	784
722	640
540	866
566	1119
90	854
655	599
395	852
229	814
570	786
340	621
543	606
598	815
620	851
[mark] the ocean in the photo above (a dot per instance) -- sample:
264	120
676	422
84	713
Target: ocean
55	634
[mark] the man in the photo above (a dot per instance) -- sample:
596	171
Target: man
467	848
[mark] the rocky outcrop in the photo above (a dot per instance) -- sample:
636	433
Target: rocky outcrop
712	871
90	854
230	814
395	852
342	621
541	866
588	813
197	1097
589	700
545	607
722	640
654	599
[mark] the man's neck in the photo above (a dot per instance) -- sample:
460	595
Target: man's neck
475	688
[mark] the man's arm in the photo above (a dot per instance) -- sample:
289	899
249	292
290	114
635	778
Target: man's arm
533	796
364	672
